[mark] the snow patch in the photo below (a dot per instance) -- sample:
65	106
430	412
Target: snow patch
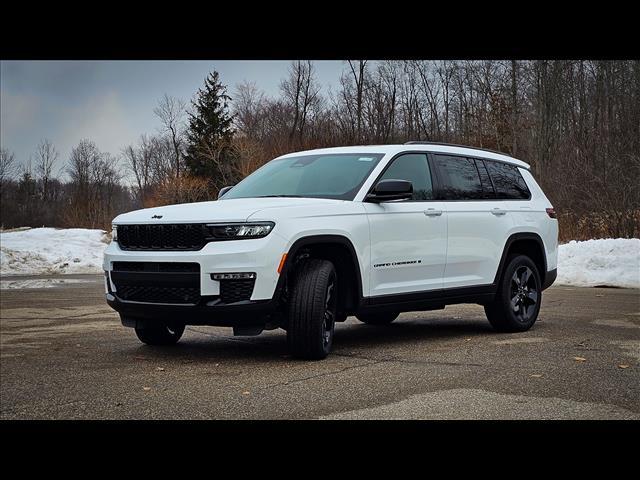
611	262
39	251
38	283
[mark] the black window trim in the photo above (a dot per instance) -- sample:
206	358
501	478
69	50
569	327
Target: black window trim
476	161
435	179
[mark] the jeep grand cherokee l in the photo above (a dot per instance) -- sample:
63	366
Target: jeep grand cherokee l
315	236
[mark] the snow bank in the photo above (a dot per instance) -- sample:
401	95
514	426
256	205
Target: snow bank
611	262
603	262
37	251
38	283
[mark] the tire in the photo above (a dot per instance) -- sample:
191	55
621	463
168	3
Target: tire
312	309
378	318
517	301
160	335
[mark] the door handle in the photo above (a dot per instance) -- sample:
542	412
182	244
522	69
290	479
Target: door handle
498	211
432	212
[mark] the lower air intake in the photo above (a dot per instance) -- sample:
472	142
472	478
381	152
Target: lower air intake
156	294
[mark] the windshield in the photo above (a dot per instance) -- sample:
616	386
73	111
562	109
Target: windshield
337	176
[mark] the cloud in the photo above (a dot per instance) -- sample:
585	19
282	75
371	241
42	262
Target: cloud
18	112
102	118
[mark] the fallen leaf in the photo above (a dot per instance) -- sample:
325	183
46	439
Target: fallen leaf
580	359
623	366
536	375
245	392
146	389
160	369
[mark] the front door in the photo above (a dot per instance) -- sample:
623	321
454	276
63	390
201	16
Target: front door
408	238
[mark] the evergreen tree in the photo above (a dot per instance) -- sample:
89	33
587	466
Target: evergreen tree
210	133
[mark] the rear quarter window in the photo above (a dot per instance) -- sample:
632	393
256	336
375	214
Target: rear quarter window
507	181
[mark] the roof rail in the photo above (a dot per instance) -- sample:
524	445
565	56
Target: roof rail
419	142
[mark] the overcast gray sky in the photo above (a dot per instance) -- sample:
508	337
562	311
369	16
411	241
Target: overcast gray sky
112	102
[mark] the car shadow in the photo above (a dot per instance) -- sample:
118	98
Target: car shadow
272	346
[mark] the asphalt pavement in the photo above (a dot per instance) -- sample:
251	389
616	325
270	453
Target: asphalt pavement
65	355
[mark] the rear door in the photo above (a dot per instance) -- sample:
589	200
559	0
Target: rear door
408	238
478	225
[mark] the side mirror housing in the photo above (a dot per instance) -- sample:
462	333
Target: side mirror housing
224	190
386	190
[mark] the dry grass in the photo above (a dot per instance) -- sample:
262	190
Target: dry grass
616	224
184	189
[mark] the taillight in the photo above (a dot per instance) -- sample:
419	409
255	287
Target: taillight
551	212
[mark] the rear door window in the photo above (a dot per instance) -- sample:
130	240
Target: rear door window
459	178
507	180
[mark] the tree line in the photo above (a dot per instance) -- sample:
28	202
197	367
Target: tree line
576	122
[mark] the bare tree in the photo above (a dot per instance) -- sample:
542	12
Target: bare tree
8	166
172	112
95	180
380	103
46	156
358	73
301	92
249	110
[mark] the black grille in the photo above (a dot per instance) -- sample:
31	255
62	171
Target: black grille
155	267
181	236
232	291
138	293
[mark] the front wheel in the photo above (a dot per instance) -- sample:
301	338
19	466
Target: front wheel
312	309
160	334
517	301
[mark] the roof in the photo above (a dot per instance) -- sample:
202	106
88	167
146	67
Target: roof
415	147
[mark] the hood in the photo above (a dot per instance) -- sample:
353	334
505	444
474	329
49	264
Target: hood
232	210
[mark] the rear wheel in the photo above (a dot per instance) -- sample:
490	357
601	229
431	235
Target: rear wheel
160	334
517	301
378	318
312	309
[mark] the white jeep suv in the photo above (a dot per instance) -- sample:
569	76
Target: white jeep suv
313	237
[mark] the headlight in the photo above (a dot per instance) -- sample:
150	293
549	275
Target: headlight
237	231
114	233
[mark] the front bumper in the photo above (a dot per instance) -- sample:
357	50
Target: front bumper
250	313
259	256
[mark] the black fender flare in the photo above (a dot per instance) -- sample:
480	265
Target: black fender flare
525	236
316	239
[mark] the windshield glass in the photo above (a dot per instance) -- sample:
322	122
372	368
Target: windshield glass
337	176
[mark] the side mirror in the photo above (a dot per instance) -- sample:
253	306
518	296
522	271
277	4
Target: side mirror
224	190
386	190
